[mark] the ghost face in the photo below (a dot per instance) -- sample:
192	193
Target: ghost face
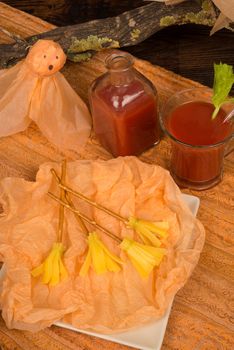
45	58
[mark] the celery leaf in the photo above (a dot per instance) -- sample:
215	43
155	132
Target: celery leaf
223	81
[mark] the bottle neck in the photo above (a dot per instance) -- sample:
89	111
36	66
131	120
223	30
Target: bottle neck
120	68
121	78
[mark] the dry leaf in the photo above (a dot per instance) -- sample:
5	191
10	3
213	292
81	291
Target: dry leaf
221	22
226	7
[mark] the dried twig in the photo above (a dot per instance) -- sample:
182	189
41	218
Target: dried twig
80	41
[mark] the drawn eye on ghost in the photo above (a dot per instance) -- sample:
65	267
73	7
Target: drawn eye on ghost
35	90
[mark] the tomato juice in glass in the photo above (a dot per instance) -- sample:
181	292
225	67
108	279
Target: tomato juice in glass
198	143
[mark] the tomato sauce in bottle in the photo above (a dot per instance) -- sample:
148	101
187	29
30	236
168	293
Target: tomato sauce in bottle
124	108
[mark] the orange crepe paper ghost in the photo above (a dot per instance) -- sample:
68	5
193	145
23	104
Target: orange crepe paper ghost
35	90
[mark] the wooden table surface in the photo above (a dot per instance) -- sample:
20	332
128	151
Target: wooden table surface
202	316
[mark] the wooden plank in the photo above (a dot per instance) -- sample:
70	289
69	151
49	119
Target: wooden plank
202	315
18	22
50	10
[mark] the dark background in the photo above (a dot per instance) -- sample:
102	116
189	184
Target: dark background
187	50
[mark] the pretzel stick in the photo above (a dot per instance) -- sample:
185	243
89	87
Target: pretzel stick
85	218
96	205
62	197
69	201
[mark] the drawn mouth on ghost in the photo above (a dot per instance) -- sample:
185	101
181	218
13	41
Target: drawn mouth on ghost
50	67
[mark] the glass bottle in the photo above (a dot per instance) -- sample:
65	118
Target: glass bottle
124	107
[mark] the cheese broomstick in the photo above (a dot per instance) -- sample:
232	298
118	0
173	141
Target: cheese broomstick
149	231
144	257
52	268
98	256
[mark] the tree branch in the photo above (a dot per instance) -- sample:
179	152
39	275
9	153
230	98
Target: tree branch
130	28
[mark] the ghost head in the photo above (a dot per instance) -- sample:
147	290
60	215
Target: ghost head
35	90
45	58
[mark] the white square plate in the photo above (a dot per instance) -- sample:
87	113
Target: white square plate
149	337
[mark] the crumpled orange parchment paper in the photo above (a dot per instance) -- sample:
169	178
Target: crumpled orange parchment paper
35	90
105	303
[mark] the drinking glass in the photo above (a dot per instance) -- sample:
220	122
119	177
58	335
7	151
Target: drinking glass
195	166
